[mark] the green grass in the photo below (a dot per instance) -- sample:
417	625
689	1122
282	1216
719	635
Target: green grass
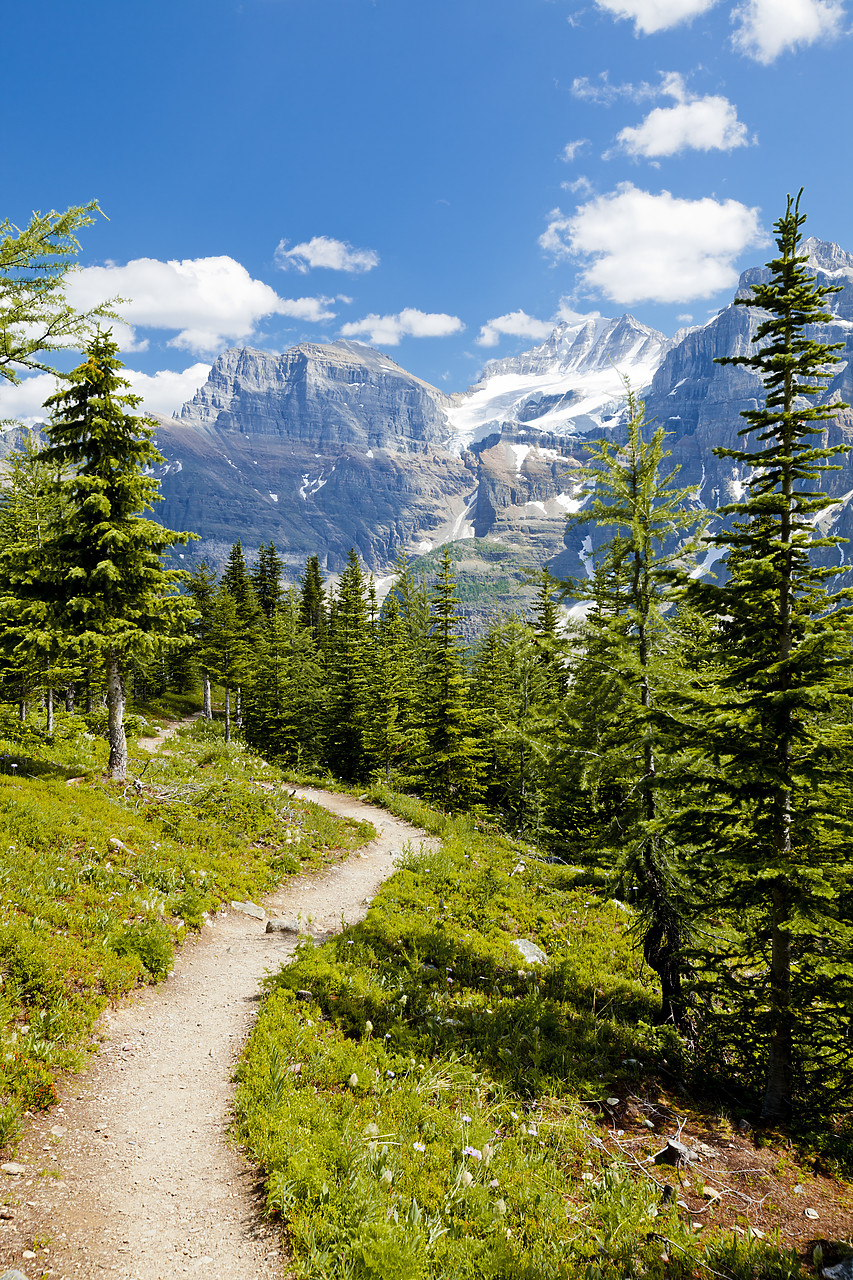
430	1112
100	881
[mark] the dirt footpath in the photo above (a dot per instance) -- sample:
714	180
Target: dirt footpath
133	1175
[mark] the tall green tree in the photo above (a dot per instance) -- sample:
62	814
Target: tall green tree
653	536
451	764
348	672
312	600
266	575
104	574
774	794
202	586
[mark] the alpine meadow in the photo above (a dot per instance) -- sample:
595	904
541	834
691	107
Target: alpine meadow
598	1025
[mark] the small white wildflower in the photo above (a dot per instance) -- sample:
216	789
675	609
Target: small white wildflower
467	1178
387	1176
500	1205
514	1115
368	1027
466	1119
392	1075
419	1146
353	1080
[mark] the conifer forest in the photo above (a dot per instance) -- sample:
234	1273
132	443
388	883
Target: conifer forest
683	742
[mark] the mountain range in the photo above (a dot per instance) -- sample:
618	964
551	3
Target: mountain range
332	446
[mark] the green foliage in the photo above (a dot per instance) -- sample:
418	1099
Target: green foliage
418	1116
97	888
35	316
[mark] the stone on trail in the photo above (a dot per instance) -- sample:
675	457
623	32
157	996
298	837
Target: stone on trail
674	1153
115	843
282	926
12	1168
841	1271
249	909
532	954
13	1275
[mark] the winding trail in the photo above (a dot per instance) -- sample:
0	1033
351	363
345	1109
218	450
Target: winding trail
134	1175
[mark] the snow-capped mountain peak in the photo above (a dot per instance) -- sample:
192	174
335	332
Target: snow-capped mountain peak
567	385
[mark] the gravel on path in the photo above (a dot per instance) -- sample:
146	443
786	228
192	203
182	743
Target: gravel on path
134	1175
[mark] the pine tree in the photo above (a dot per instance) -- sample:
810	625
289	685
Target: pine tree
266	576
104	575
777	817
451	763
202	584
312	600
654	534
348	668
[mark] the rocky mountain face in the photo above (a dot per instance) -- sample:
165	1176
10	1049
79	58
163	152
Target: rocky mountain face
328	447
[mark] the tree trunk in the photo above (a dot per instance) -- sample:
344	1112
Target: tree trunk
115	709
238	707
69	698
207	709
90	696
22	710
780	1083
48	706
227	713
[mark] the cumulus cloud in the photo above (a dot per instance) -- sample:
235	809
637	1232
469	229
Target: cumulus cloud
208	301
700	124
766	28
387	331
515	324
656	15
323	251
659	248
163	392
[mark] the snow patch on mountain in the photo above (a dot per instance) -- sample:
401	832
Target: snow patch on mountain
568	385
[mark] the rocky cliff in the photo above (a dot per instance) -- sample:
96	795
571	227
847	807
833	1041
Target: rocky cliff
328	447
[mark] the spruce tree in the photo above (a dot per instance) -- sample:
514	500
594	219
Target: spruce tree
312	600
451	764
348	671
775	808
104	574
202	585
266	575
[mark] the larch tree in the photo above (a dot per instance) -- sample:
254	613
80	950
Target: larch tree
653	533
104	573
36	317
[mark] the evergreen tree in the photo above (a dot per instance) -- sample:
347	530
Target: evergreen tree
451	763
104	574
237	581
649	546
202	585
776	810
348	668
266	576
312	600
287	697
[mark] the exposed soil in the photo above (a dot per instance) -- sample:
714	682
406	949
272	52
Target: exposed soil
134	1175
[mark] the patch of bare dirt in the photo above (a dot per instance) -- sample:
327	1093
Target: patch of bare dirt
134	1175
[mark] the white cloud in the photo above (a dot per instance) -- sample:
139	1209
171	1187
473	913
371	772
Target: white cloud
162	392
658	248
571	149
24	401
209	301
165	391
702	124
766	28
515	324
602	92
387	331
323	251
656	15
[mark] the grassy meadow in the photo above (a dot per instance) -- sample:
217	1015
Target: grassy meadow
426	1105
99	882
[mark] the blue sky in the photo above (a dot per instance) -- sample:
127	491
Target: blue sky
442	180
